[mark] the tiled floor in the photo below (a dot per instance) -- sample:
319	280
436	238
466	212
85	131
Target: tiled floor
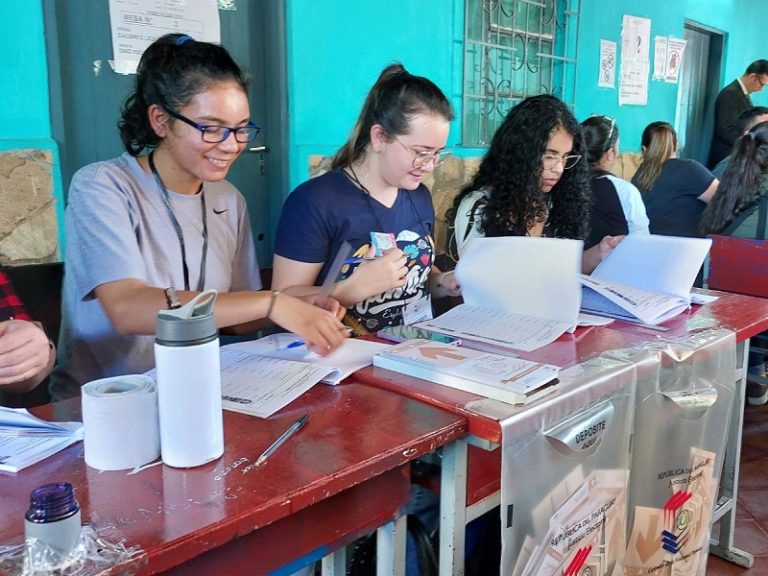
752	510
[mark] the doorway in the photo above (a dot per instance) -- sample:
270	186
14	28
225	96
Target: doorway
697	89
86	97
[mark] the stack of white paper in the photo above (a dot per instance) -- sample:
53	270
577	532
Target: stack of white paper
26	439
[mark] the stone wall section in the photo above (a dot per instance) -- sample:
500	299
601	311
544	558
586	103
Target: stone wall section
28	226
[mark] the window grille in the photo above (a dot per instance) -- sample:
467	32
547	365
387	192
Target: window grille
514	49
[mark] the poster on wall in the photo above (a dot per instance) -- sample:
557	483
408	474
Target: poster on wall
660	58
607	77
635	60
674	59
135	24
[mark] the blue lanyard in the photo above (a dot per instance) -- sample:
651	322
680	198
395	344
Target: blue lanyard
179	232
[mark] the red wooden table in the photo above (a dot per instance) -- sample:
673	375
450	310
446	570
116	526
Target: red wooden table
343	475
471	474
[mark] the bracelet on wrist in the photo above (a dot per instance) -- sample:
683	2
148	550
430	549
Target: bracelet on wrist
271	306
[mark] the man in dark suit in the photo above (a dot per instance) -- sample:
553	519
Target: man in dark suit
732	101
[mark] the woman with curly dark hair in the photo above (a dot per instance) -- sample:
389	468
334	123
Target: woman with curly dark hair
533	181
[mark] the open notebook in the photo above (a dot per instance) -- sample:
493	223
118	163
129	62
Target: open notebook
519	293
259	377
645	279
26	439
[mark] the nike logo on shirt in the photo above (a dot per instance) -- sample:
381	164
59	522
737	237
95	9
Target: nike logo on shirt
219	211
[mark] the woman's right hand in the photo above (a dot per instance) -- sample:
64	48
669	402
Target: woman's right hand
375	276
321	331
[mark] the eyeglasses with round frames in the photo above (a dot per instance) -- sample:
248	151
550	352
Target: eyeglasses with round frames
421	159
217	134
549	161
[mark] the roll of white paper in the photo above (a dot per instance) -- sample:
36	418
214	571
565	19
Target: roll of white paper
120	422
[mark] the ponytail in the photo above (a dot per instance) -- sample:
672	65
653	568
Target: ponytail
392	102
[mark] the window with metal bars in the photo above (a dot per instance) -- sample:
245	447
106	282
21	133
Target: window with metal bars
514	49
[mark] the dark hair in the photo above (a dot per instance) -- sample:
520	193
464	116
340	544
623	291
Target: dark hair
757	67
659	143
172	70
741	182
392	102
745	121
511	169
600	135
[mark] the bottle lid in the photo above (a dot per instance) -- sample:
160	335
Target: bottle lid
52	502
193	322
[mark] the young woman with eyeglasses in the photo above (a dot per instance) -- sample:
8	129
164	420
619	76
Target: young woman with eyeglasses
374	188
160	223
532	181
675	191
616	207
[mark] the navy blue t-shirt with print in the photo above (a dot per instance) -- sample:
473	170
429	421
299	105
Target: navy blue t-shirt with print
324	212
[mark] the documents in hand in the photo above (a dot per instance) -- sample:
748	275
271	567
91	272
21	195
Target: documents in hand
503	378
261	376
519	292
26	439
645	279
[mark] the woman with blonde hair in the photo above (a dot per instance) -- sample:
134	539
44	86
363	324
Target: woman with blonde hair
675	191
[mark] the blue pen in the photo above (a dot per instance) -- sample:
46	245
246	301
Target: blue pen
294	344
356	260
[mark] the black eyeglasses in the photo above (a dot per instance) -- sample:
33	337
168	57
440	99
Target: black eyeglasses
216	134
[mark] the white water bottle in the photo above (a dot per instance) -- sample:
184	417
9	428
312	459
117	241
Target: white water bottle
189	383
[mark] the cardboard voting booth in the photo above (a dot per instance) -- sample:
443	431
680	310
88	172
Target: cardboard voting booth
685	392
565	469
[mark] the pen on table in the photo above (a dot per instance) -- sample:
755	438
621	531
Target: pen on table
299	343
293	428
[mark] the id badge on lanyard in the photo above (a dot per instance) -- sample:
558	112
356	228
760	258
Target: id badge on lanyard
418	311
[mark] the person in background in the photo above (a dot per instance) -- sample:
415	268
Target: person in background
532	181
732	101
748	118
616	207
675	191
374	192
26	353
740	208
161	218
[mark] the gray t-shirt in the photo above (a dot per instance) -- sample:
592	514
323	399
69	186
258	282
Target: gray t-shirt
118	228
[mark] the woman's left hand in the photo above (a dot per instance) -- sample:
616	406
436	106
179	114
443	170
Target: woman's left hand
592	257
445	284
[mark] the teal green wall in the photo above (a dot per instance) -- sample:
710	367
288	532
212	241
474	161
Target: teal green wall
24	99
335	51
336	48
739	19
23	72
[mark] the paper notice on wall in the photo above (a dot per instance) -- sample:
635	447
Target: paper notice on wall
675	51
633	83
136	24
607	77
635	60
659	57
635	38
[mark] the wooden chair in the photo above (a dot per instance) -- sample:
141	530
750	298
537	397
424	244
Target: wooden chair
740	265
